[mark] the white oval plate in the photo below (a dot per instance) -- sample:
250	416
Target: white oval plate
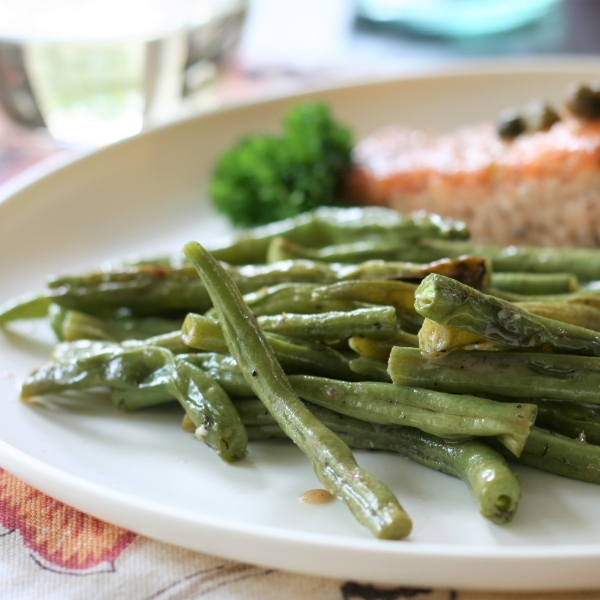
140	471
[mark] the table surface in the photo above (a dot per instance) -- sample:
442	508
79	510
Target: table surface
50	550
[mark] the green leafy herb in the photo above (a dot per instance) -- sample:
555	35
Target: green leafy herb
266	178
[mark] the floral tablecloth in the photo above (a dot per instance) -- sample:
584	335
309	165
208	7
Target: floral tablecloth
49	550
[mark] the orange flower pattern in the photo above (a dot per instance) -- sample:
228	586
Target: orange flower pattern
58	533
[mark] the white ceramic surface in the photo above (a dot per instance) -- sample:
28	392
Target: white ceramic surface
140	471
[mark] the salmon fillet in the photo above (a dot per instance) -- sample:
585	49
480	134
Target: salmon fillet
541	188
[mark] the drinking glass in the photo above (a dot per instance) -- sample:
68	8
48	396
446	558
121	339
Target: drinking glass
96	71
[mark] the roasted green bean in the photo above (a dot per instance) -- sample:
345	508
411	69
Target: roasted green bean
436	340
370	369
327	225
571	419
493	486
535	283
371	501
449	302
561	455
70	325
582	315
294	298
353	252
451	416
510	374
295	356
376	322
381	349
584	263
162	375
27	306
399	294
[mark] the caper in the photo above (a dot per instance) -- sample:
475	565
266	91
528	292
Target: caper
510	124
540	116
584	101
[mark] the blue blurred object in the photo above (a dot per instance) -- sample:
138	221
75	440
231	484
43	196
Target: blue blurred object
456	18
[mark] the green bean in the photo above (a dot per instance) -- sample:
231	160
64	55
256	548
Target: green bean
155	372
510	374
56	317
372	503
143	291
223	369
27	306
127	275
436	340
449	302
474	271
217	421
295	356
582	315
141	398
571	419
376	322
168	291
535	283
380	349
70	351
449	458
203	333
492	484
373	323
113	367
175	261
70	325
583	297
561	455
160	291
450	416
294	298
399	294
327	225
282	249
171	341
584	263
370	369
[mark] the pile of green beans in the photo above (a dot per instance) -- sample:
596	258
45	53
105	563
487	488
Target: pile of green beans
480	344
349	328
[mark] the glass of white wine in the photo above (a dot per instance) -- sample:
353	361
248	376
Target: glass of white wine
96	71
